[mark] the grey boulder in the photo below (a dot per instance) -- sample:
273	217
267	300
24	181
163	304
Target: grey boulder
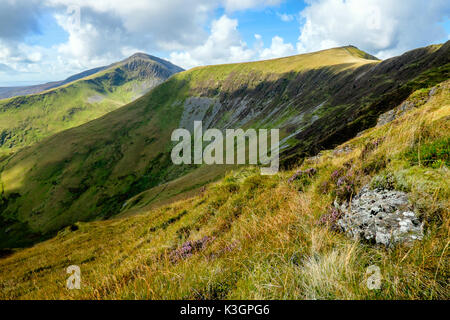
381	216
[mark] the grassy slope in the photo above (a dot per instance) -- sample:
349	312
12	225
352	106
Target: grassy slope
217	78
26	120
343	57
266	239
124	139
92	171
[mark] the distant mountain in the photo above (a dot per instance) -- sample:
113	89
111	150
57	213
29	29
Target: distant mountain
9	92
25	120
120	163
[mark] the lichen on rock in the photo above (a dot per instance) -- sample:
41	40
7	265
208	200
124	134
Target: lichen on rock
381	216
395	113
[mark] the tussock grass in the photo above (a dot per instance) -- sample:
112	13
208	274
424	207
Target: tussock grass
267	242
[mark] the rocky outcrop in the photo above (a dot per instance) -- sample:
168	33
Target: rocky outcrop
381	216
393	114
406	106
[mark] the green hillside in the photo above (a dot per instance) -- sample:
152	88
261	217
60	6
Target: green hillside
26	120
120	163
259	237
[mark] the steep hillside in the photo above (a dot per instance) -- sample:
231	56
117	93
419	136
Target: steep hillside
120	163
25	120
265	237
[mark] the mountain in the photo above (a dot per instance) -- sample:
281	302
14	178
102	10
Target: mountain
9	92
265	237
120	163
25	120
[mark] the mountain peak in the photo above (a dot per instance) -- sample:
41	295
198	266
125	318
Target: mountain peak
144	56
140	55
355	51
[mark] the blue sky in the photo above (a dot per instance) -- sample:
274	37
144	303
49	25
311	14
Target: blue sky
268	22
44	40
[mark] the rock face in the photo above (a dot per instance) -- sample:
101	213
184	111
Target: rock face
393	114
397	112
381	216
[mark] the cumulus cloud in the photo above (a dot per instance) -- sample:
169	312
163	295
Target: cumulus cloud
235	5
278	49
109	30
223	45
19	18
285	17
381	27
18	56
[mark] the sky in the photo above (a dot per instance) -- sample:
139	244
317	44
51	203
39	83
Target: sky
48	40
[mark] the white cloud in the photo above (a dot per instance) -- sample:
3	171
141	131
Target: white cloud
285	17
107	27
19	18
235	5
223	45
90	45
109	30
381	27
278	49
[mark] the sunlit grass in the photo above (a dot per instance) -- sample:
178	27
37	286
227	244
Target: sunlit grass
267	243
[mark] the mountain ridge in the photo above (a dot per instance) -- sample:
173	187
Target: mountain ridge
27	119
330	54
93	171
10	92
